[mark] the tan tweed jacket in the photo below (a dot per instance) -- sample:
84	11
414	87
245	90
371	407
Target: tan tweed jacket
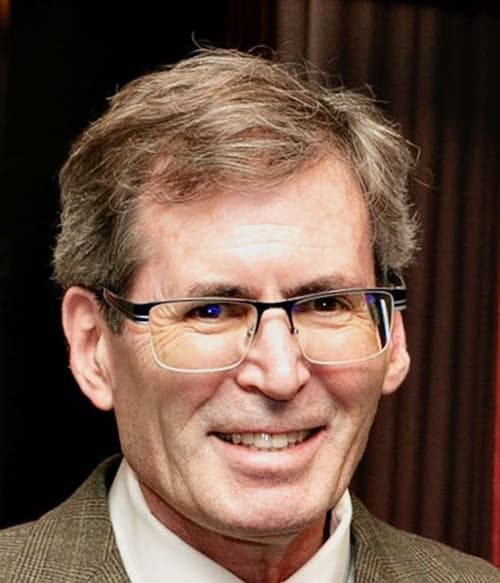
75	543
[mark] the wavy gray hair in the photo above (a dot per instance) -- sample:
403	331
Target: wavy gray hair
216	120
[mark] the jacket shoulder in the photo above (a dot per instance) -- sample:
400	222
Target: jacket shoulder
385	553
72	542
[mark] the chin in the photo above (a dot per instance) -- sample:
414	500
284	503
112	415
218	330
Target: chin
268	517
268	529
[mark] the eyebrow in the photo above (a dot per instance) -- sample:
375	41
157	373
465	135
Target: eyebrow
219	290
321	284
226	290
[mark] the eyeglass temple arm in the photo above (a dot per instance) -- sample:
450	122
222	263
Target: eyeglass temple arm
398	291
137	312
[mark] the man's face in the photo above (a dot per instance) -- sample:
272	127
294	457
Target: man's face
312	232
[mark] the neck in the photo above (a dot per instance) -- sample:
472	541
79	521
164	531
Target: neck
264	560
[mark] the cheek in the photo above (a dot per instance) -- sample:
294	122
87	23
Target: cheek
135	385
356	392
356	388
187	404
153	400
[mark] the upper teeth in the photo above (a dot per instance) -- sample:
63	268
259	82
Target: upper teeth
266	440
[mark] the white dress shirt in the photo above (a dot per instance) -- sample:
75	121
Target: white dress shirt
151	553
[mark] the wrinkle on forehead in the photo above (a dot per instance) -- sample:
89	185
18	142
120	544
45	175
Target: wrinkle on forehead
234	233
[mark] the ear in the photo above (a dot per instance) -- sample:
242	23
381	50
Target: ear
86	333
399	359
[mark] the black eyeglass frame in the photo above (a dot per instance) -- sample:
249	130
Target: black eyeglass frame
139	312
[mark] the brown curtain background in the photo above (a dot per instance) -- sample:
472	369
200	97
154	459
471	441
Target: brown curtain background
428	467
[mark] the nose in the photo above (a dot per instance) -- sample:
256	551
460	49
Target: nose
274	364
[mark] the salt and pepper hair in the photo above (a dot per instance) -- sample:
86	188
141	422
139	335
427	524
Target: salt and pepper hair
217	120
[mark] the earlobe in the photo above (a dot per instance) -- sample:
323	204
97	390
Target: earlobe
84	329
399	359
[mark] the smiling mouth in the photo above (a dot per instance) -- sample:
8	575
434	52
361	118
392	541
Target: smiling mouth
268	441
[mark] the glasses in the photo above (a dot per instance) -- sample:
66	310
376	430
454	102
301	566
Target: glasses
212	334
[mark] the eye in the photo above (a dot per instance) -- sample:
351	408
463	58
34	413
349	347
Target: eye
207	311
330	304
324	304
217	311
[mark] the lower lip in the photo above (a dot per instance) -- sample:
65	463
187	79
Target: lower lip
254	462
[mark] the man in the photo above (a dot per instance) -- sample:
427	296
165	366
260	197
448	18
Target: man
231	242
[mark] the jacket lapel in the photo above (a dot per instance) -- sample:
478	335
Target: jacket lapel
383	554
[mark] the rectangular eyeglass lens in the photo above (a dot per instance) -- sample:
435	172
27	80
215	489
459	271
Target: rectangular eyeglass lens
191	335
343	327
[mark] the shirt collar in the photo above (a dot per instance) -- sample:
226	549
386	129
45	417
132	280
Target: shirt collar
151	553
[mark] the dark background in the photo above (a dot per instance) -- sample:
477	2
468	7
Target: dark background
434	65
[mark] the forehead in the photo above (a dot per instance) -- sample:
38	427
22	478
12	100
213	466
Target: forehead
314	225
